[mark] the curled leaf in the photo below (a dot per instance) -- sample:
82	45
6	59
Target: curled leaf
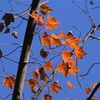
15	34
70	85
87	90
43	53
47	97
35	74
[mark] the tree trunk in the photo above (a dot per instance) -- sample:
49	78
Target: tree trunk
26	48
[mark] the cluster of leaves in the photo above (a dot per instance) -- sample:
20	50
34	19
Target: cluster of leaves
8	18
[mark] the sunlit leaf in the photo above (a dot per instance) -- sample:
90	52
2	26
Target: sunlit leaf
63	68
94	85
9	82
87	90
70	85
34	15
8	18
45	40
78	52
41	19
42	73
52	23
55	87
56	36
47	97
43	53
1	27
48	66
44	8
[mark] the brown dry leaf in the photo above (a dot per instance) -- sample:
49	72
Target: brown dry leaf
55	87
63	68
45	40
32	83
70	85
48	66
34	15
54	41
87	90
78	52
67	57
1	53
8	18
47	97
7	30
35	75
1	27
43	53
72	41
9	82
44	8
52	23
42	73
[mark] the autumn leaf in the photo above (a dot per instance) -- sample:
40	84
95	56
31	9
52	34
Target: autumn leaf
63	68
44	8
87	90
47	97
1	27
45	40
55	87
9	82
1	53
34	15
78	52
7	30
67	57
32	83
43	53
54	41
42	73
8	18
52	23
56	36
48	66
70	85
35	74
41	19
72	41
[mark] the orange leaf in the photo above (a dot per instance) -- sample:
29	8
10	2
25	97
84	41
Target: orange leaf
94	85
32	83
78	52
35	74
42	73
9	82
43	53
54	41
45	9
56	36
72	41
55	87
70	85
63	68
48	66
45	40
52	23
87	90
41	19
67	57
34	15
47	97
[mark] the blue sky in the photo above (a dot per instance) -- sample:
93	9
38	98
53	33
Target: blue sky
69	15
